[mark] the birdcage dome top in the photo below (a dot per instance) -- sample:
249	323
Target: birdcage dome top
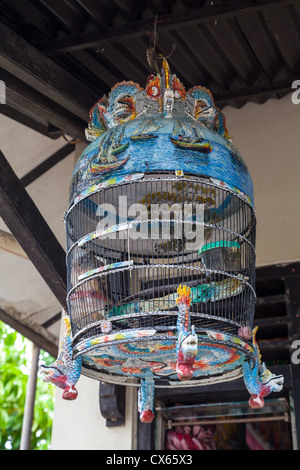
159	128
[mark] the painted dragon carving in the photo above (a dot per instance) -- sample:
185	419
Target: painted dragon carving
65	371
259	381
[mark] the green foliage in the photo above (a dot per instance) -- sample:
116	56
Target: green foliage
15	358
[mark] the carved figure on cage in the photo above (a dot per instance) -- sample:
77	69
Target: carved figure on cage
65	371
259	381
187	345
146	400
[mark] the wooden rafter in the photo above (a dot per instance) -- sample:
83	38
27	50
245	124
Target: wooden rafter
32	232
215	11
35	333
18	92
29	120
27	64
222	98
39	170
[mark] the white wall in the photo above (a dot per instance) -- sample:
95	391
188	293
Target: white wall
268	137
79	425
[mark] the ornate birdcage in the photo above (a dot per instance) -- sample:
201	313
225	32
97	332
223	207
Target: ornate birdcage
160	248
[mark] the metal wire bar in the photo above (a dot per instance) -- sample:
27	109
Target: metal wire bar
201	422
161	252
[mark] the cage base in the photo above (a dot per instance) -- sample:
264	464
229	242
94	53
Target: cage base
226	376
140	354
145	358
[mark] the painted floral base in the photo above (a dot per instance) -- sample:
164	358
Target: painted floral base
154	355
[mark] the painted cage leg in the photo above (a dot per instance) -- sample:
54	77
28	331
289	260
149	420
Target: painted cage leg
258	380
65	371
146	400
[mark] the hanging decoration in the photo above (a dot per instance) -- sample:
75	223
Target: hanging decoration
160	248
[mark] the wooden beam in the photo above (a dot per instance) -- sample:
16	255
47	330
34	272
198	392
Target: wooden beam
278	271
222	98
215	11
23	117
27	98
35	333
52	320
112	403
47	164
9	243
28	64
30	229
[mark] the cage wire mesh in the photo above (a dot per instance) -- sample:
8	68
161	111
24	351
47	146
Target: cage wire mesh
129	246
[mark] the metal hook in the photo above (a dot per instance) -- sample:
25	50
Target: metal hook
151	54
164	57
